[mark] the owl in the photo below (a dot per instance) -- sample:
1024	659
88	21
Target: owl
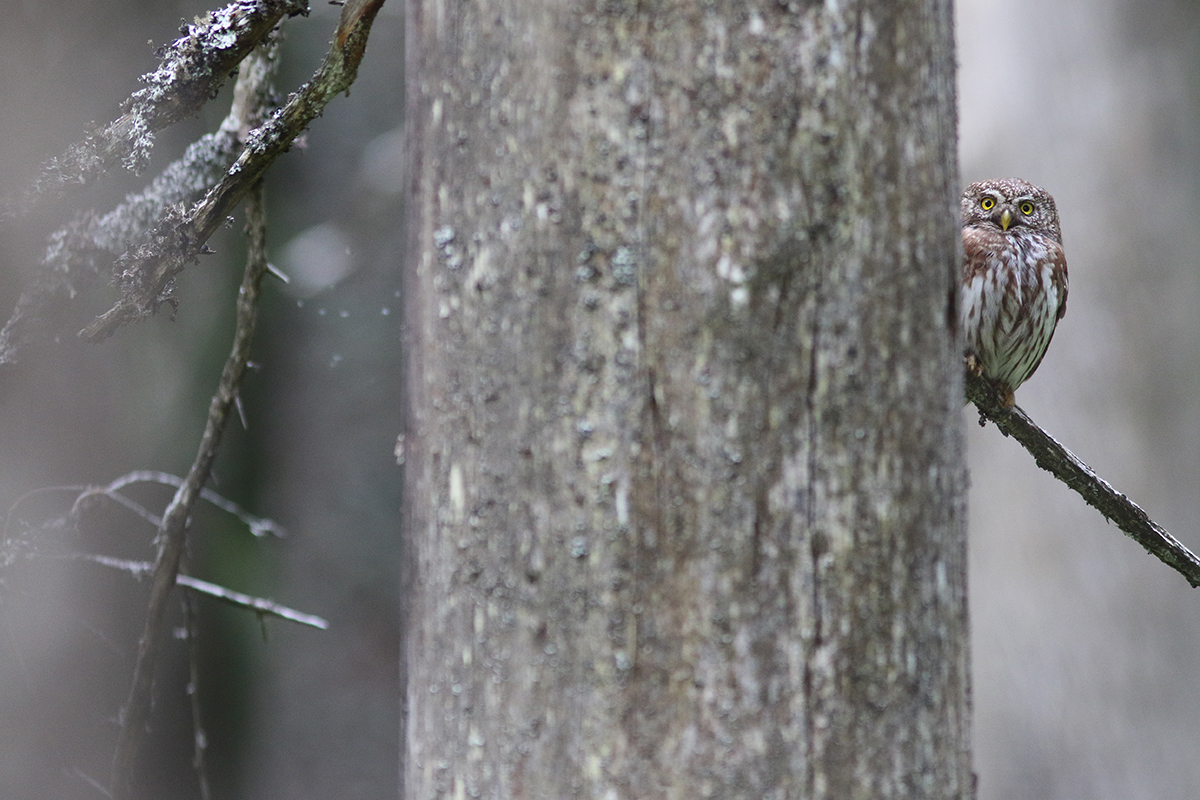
1014	280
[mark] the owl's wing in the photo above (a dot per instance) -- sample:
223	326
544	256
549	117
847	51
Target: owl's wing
1060	278
978	243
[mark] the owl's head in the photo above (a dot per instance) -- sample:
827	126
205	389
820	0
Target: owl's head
1009	204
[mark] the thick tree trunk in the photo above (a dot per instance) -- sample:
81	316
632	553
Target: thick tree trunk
684	482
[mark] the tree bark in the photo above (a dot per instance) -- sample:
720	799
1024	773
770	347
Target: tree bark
684	487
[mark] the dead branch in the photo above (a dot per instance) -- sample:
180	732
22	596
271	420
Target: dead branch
83	250
191	71
147	273
1063	464
259	526
258	605
172	530
191	632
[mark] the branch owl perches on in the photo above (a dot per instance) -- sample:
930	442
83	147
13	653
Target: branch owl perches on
1014	292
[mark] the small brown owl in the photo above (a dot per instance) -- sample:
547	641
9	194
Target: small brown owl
1014	279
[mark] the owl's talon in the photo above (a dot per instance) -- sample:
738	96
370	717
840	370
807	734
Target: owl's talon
973	365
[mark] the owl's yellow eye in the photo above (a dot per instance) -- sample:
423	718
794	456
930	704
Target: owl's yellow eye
987	204
1026	208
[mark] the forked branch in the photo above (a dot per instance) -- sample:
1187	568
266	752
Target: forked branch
148	272
172	529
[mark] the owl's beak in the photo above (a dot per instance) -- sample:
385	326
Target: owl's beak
1005	219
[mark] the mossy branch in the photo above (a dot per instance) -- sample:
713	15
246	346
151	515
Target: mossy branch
191	71
149	271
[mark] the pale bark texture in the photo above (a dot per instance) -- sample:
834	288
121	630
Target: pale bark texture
684	470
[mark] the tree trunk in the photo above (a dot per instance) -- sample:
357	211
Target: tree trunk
684	488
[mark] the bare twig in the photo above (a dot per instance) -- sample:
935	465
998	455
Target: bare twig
259	605
192	69
90	781
173	528
259	526
148	272
1062	463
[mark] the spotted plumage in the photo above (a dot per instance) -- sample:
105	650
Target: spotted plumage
1014	279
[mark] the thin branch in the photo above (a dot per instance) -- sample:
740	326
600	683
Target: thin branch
259	526
147	273
259	605
173	528
199	737
7	531
193	68
1062	464
100	788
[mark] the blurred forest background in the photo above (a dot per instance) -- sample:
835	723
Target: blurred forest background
1085	649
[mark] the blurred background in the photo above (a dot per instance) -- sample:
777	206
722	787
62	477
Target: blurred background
290	712
1085	648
